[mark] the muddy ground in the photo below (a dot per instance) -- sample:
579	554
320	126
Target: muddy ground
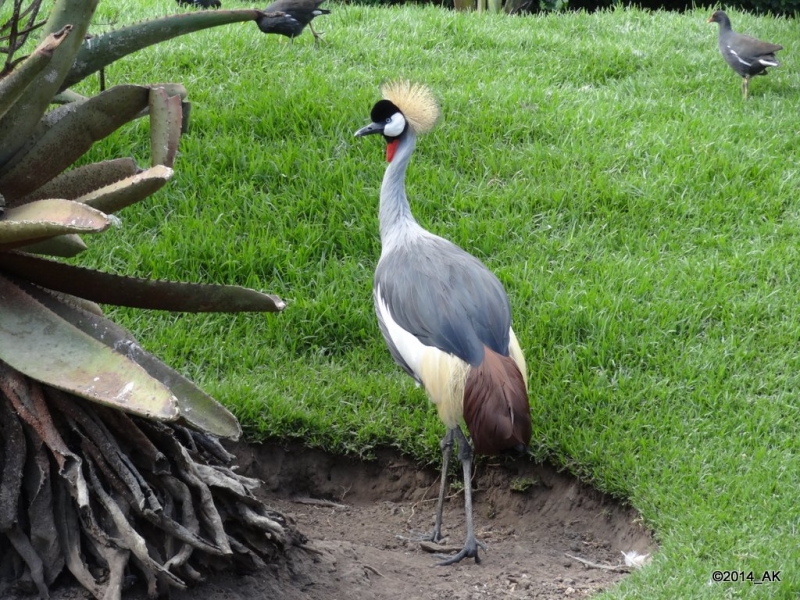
357	514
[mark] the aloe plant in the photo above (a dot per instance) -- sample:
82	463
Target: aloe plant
109	458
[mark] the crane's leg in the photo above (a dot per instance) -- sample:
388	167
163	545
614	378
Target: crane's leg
447	449
470	549
436	535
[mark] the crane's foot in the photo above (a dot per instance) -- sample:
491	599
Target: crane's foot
433	537
470	550
420	536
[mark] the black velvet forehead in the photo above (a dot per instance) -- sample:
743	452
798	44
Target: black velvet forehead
383	110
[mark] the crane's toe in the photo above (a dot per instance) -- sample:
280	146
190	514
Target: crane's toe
470	550
434	537
430	537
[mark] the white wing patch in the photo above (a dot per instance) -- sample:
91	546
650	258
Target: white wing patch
443	375
739	58
768	63
409	347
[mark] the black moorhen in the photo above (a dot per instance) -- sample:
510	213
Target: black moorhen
202	3
301	11
745	55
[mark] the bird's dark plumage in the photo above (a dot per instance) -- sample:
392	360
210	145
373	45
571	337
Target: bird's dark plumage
202	3
302	13
744	54
496	408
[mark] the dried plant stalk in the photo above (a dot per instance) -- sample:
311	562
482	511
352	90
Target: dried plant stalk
120	495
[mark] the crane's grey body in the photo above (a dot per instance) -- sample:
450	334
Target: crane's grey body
445	298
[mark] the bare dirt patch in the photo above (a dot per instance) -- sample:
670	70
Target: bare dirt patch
356	514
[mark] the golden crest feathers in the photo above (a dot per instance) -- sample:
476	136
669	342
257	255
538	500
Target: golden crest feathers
415	101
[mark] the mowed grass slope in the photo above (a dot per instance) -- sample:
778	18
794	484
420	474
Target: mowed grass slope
644	219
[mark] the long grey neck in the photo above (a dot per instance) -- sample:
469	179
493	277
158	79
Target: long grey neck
395	215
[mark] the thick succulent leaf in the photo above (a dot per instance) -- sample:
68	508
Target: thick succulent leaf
37	221
106	288
67	96
65	246
37	342
104	49
12	86
83	180
66	133
175	89
84	305
130	190
196	407
172	89
18	123
165	126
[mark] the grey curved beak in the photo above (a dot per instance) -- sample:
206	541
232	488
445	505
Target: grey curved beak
369	129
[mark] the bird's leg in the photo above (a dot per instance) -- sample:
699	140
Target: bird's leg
470	549
317	35
436	535
745	82
447	449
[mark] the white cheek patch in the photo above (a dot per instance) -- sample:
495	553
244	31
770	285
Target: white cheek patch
395	126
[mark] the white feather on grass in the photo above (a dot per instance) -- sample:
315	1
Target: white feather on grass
636	560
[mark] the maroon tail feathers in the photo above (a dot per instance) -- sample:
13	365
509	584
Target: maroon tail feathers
496	408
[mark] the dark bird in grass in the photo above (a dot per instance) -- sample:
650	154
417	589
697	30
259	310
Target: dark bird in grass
302	13
202	3
445	317
744	54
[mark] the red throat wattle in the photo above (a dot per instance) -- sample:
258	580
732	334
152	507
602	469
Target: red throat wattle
391	148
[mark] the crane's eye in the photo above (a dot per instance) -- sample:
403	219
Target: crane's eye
395	125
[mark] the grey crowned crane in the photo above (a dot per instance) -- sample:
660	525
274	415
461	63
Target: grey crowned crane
744	54
445	317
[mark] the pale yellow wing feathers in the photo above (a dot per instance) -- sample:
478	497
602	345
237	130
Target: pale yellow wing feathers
516	354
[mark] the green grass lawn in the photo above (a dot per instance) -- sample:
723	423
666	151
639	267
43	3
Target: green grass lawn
644	219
